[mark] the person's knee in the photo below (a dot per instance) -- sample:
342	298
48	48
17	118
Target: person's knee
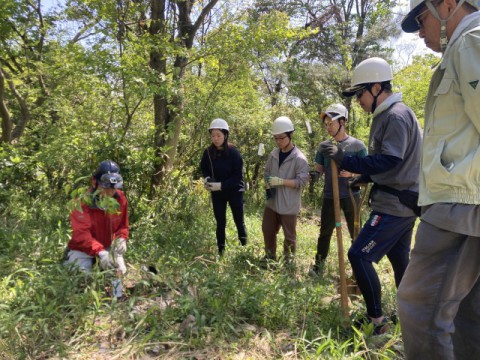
352	256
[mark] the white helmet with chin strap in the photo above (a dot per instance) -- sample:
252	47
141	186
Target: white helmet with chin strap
281	125
410	23
335	112
370	71
219	124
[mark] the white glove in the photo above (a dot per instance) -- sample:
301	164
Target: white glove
106	262
275	181
120	264
119	246
215	186
205	183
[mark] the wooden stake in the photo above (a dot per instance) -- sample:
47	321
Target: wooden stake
338	227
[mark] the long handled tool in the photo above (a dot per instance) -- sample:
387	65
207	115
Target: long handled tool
338	227
357	208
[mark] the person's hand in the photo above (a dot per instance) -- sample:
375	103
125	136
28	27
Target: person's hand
275	181
106	262
355	182
345	174
119	246
205	183
120	264
215	186
332	151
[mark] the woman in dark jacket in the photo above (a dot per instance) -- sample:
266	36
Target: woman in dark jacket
222	168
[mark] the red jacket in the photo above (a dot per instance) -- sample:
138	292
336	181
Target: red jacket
94	230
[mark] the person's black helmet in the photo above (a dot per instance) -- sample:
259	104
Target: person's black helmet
108	175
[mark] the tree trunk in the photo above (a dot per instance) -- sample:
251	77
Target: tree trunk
6	121
168	114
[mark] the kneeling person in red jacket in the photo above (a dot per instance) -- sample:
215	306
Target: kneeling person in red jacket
97	230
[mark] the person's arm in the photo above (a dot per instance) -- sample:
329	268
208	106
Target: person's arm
370	164
319	169
82	239
394	143
301	174
205	165
236	176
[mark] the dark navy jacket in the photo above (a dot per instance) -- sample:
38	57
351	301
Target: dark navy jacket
227	167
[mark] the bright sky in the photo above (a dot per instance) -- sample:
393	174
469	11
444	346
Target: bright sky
406	46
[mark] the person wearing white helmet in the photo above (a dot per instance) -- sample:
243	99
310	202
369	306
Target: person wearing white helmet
439	297
222	169
392	164
334	118
99	232
286	173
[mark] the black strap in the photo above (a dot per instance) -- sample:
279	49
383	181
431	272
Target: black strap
408	198
386	188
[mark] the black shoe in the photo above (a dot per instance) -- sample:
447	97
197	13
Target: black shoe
268	263
316	269
366	325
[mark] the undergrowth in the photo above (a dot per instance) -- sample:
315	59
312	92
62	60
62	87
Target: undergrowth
182	302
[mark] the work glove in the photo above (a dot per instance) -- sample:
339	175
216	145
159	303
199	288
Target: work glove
215	186
119	246
275	181
106	262
120	264
206	182
332	151
355	182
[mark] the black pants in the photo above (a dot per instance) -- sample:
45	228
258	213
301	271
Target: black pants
327	225
235	200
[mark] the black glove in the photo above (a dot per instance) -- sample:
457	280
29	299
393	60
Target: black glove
332	151
355	182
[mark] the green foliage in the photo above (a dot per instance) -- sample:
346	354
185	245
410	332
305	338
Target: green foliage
81	80
413	81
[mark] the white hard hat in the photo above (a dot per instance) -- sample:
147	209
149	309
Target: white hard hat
409	24
282	125
218	124
369	71
335	112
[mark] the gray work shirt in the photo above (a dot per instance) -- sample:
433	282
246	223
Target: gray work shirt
395	131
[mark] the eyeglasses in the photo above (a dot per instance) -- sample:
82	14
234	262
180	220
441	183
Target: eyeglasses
328	123
419	19
114	181
279	138
359	93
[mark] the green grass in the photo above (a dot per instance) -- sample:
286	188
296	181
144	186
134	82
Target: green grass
195	307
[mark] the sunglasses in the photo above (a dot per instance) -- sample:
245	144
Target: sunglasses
359	93
419	19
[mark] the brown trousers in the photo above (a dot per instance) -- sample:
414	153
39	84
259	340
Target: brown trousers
271	224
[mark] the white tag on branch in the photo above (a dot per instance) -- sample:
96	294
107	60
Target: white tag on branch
261	149
309	128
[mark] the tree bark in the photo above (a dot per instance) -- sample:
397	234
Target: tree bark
168	112
6	121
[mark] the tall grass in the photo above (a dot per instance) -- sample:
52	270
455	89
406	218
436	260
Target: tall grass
194	306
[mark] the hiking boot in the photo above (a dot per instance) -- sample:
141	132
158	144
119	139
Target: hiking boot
366	325
268	263
316	270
